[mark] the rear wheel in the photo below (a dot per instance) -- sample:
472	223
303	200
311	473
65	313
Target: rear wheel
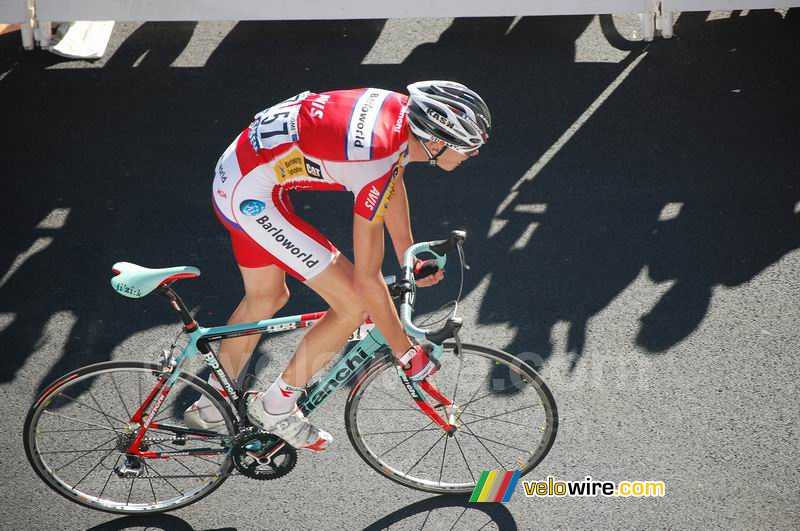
506	420
77	432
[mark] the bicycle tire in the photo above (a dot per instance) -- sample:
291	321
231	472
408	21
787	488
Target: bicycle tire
396	474
83	376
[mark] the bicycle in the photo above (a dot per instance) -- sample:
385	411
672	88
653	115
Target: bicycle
128	413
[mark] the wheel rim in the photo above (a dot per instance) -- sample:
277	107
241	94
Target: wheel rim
393	436
76	435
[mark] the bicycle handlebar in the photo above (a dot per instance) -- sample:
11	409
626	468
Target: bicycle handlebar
439	249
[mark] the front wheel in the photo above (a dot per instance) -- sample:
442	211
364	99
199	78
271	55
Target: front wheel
77	432
506	419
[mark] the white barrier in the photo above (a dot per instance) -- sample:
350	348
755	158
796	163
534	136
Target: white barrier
321	9
19	12
670	7
180	10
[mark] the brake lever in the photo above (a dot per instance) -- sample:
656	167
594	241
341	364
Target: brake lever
458	343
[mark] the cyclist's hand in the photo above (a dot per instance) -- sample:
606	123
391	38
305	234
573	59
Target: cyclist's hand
426	273
417	364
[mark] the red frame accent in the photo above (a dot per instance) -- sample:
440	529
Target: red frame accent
435	393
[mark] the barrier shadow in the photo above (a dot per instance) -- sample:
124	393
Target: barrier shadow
167	522
124	156
685	174
447	512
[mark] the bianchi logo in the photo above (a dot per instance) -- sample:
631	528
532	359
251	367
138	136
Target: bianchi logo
252	207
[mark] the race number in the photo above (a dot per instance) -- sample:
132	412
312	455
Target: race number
276	125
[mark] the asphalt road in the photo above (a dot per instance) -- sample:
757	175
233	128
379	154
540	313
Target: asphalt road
634	224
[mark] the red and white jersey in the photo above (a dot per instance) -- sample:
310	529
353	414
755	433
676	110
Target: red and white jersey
353	140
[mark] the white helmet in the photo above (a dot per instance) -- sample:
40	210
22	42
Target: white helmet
448	111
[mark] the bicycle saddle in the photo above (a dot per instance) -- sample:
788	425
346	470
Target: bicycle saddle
134	281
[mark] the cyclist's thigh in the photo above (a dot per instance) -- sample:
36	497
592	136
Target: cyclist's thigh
266	231
335	286
268	282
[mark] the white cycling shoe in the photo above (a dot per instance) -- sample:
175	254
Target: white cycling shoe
195	417
293	427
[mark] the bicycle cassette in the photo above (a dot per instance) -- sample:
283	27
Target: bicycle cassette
262	456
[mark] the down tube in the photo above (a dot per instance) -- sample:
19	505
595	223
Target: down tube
361	355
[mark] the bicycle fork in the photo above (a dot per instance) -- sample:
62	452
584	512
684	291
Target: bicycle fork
447	424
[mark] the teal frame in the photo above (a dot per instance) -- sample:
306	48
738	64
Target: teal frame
345	369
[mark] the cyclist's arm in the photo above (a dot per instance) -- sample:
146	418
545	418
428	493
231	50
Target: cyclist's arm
370	287
397	219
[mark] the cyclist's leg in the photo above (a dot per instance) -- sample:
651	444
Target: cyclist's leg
265	293
326	337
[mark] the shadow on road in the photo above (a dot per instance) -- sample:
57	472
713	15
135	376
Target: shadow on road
686	174
448	512
157	521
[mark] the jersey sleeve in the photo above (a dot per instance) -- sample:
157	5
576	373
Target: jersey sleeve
373	198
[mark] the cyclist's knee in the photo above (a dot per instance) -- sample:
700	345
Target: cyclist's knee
350	315
267	302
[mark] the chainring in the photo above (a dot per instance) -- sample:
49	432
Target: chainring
255	455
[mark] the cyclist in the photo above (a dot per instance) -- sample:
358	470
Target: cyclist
356	140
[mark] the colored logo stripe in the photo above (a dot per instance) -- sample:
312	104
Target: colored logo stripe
495	486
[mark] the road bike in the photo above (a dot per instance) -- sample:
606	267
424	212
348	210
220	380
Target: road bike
112	437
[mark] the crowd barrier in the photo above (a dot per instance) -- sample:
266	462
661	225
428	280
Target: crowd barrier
35	15
38	14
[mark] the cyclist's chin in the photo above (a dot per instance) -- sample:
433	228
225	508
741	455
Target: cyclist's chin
449	166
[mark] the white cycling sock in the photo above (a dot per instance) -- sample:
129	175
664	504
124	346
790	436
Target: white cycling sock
280	398
208	412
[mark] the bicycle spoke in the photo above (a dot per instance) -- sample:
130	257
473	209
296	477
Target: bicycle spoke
93	409
444	456
386	409
175	460
87	453
490	393
93	468
399	401
398	431
75	451
103	411
469	468
73	429
426	453
109	476
119	394
152	489
407	438
80	421
130	491
166	480
458	377
482	418
486	448
466	405
493	441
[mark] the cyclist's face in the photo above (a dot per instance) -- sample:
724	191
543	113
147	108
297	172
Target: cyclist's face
451	159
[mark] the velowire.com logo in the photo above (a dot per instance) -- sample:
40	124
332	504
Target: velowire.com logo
494	486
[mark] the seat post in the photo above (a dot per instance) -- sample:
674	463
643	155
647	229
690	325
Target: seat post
189	324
